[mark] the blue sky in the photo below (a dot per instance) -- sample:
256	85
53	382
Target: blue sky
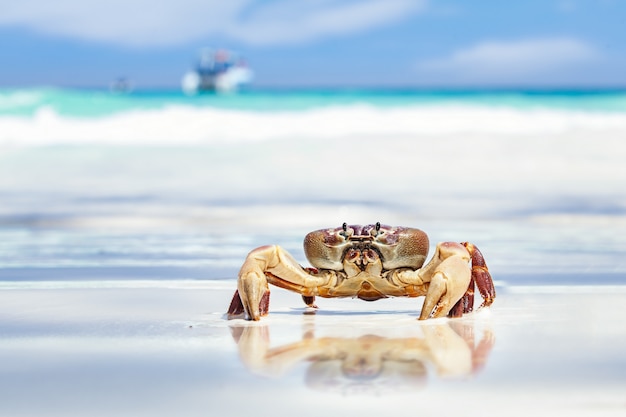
424	43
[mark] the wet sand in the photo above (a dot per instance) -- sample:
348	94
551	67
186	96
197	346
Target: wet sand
165	348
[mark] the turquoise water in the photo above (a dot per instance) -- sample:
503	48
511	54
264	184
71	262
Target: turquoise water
94	103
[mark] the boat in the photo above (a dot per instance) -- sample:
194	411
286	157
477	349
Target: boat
121	85
219	71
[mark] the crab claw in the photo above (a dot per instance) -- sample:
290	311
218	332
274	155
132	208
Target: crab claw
481	278
237	310
481	275
449	275
236	307
255	295
252	288
271	265
466	303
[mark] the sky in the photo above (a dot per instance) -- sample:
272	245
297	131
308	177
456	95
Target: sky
318	43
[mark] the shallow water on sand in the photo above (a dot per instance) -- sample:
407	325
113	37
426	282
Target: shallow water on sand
523	250
166	348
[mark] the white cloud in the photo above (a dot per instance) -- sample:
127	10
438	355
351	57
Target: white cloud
169	22
289	22
130	22
506	60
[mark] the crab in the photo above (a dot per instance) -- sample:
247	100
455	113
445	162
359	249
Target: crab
369	262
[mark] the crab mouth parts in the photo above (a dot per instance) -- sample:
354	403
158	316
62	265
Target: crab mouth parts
362	255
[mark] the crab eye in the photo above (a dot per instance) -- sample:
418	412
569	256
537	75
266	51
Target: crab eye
376	230
344	233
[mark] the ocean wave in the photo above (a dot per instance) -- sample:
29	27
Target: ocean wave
16	101
186	125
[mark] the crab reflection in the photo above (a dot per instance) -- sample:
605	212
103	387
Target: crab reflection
378	360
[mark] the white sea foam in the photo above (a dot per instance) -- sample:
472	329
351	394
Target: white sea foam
433	157
181	125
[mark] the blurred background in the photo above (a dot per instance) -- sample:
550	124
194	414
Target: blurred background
166	140
306	43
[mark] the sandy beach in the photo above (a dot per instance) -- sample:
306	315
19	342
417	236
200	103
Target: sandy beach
165	348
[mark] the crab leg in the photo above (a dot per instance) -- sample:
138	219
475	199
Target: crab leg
481	275
269	264
481	278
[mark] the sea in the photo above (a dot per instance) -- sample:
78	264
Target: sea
104	187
